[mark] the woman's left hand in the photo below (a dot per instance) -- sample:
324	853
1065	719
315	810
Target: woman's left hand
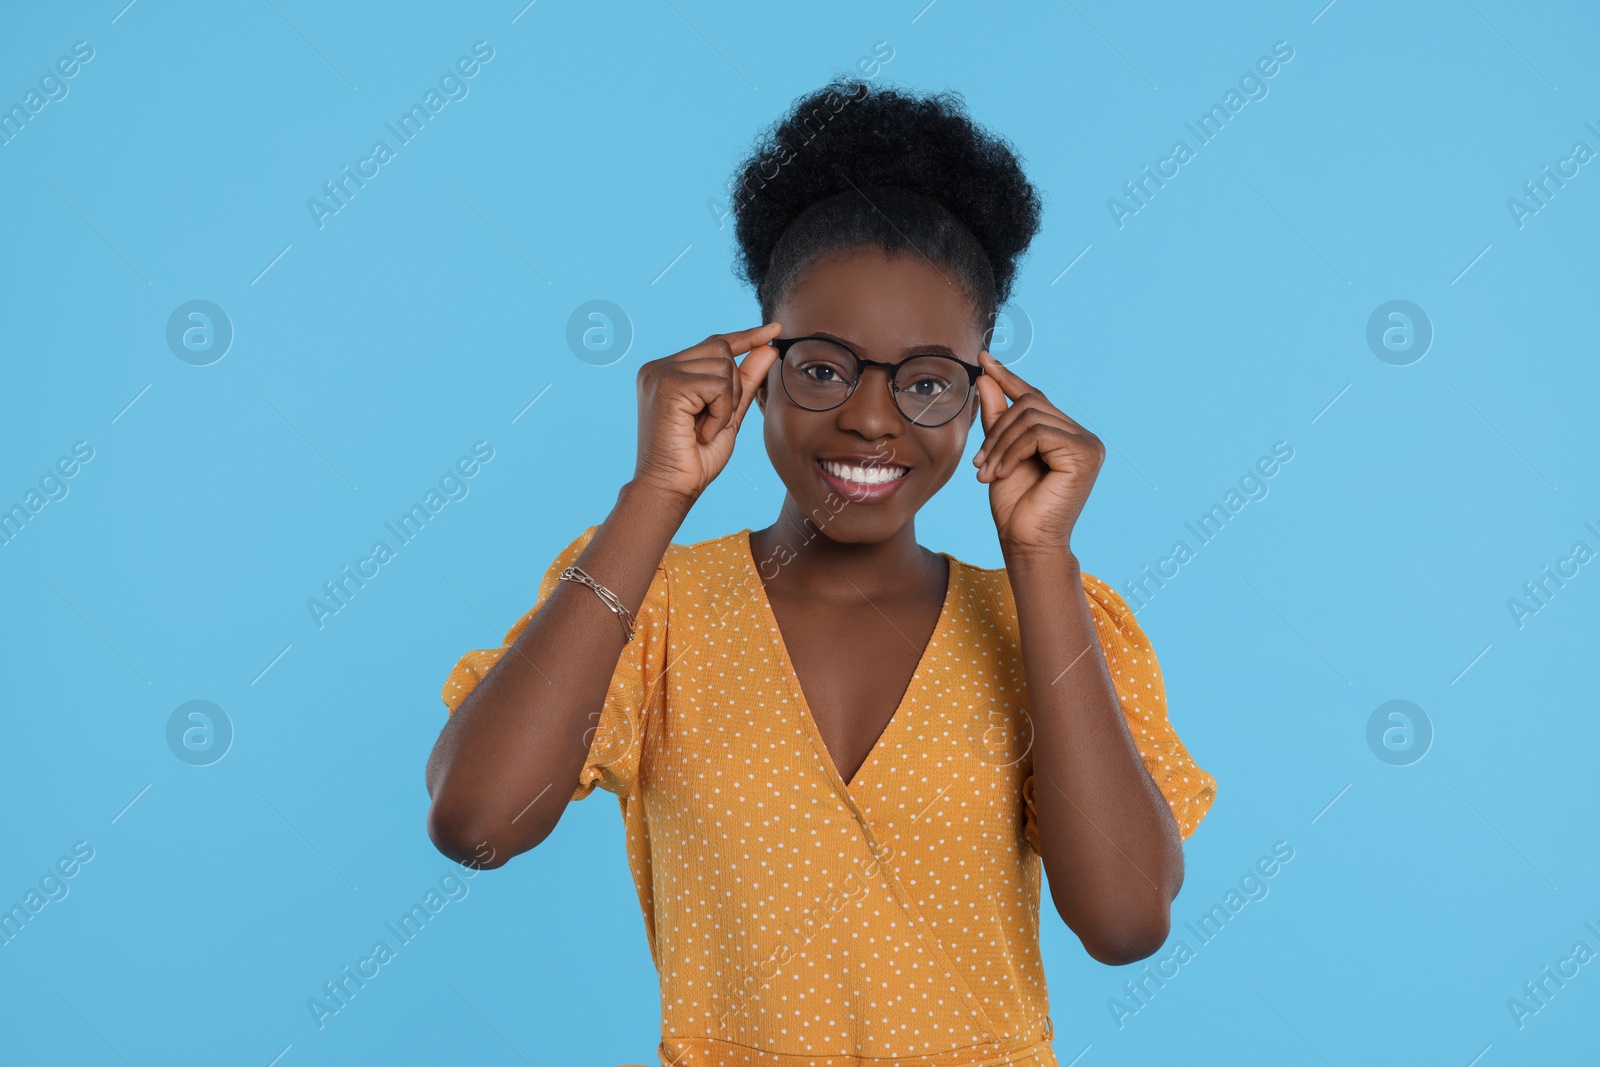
1040	465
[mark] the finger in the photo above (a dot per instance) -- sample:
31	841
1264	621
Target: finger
1059	449
1074	424
728	345
718	352
996	448
993	401
710	398
998	427
1028	398
1029	402
744	377
742	341
723	407
1020	447
1037	439
753	369
1013	386
995	462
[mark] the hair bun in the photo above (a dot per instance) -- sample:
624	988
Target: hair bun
851	134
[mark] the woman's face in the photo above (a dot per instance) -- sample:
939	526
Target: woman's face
886	308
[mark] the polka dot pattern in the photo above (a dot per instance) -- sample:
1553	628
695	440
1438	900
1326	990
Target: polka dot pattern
799	921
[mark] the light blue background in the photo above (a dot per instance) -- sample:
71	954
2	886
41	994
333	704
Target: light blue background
588	162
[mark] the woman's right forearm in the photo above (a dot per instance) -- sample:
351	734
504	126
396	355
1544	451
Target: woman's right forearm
506	763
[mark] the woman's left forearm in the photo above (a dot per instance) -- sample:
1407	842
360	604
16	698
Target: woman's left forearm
1110	845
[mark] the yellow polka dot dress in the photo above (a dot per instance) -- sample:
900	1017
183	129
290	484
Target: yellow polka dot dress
799	921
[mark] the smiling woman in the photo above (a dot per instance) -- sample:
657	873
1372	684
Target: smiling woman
845	761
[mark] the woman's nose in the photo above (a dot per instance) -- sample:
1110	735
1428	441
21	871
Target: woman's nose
871	410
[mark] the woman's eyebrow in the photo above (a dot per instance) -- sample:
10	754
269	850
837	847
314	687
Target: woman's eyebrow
924	349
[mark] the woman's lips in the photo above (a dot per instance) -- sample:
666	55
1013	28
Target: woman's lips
856	491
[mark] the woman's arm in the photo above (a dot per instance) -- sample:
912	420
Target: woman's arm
509	759
506	763
1110	844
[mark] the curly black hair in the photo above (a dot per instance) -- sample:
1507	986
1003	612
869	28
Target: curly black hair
854	163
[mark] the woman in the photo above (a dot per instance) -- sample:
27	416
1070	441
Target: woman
841	757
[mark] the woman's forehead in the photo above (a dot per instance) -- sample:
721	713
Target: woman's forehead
881	305
892	351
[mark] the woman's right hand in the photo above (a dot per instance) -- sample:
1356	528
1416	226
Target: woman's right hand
691	405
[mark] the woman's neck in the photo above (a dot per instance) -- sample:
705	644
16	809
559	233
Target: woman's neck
811	564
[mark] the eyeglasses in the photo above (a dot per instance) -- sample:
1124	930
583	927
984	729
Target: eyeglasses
819	374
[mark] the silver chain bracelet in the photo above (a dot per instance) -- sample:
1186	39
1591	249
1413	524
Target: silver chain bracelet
579	575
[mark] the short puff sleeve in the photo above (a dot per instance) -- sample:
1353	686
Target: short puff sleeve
1136	675
633	699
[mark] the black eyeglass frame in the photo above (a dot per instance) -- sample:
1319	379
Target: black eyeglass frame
783	344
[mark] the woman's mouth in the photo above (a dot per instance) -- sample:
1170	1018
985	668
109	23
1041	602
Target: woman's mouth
862	482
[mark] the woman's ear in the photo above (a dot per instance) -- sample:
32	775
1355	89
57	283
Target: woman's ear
761	396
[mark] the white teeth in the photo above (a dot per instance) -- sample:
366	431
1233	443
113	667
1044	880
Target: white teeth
864	475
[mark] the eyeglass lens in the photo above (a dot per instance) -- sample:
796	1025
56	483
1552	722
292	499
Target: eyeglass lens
928	389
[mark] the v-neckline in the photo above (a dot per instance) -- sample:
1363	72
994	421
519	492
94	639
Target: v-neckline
792	677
